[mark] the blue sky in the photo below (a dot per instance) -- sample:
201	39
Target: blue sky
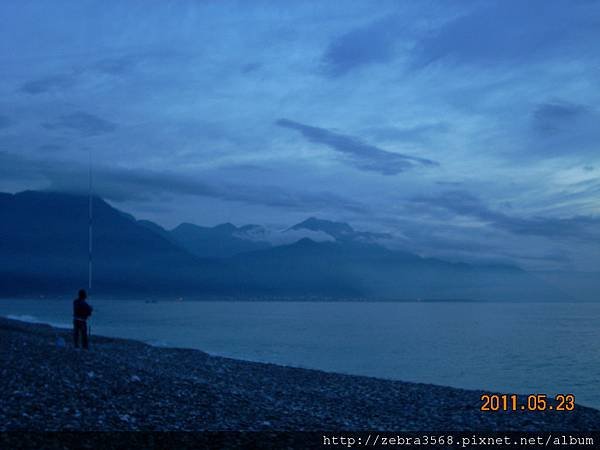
469	130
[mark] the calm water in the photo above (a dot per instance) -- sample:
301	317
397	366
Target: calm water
525	348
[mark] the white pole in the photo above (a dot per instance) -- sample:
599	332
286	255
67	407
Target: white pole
90	229
90	225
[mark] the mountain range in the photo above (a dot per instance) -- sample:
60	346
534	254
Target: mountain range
44	251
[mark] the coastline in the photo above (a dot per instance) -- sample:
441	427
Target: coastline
126	385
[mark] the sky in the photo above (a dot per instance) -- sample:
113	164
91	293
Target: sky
469	130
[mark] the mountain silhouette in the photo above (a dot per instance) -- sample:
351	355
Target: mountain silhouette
44	251
45	248
221	241
340	231
334	229
358	269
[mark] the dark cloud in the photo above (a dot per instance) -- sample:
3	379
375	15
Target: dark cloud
420	133
465	204
588	168
146	185
250	67
363	156
247	168
555	117
513	31
11	165
4	122
449	183
83	123
559	257
50	148
444	239
371	44
122	185
49	84
116	65
427	238
563	128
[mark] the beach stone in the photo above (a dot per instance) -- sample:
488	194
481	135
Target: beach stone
44	388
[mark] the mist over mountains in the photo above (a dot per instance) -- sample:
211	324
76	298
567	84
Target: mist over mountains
44	251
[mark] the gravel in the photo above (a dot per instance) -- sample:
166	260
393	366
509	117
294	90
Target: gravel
121	385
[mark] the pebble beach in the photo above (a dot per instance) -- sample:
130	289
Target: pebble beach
125	385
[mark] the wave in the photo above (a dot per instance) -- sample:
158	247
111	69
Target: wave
33	319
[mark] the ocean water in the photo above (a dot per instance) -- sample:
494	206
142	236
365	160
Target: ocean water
508	347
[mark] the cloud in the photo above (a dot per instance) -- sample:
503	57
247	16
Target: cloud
49	84
418	134
83	123
116	66
5	122
466	204
50	148
559	257
449	183
513	31
563	128
113	66
285	237
364	46
363	156
554	117
251	67
508	105
146	185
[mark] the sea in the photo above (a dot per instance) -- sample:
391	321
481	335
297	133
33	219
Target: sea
522	348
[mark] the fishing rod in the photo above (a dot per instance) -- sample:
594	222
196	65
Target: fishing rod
90	232
90	225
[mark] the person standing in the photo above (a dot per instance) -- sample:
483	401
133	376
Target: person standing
81	311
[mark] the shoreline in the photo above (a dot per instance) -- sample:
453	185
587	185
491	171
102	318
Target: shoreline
122	384
290	299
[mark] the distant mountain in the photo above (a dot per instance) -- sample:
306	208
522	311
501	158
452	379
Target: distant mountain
334	229
222	241
364	270
44	250
583	286
156	229
340	231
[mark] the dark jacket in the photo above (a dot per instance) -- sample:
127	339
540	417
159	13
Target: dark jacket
81	309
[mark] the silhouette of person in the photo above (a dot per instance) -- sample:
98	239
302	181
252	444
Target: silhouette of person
81	311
